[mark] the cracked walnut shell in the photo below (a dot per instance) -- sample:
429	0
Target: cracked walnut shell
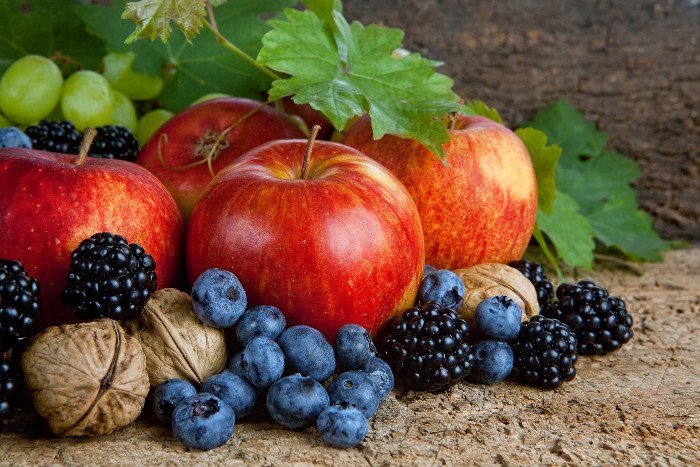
86	379
176	343
490	279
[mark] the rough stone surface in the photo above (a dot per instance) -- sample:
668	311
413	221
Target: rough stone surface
637	406
631	66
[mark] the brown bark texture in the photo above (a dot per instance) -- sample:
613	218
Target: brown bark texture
631	66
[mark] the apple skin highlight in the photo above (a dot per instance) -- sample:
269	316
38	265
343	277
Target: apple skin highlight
479	207
52	204
344	245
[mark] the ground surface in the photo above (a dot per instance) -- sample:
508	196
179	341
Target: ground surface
632	66
637	406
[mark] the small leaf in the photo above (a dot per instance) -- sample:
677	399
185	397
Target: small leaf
348	70
544	159
570	232
153	17
477	107
567	127
324	8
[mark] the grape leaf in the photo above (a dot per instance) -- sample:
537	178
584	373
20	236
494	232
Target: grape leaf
544	159
324	8
620	225
45	27
477	107
570	232
599	183
192	70
153	17
349	71
567	127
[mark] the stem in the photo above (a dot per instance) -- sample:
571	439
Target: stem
309	148
88	136
210	12
223	41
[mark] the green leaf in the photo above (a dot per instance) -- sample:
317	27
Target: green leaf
567	127
539	237
544	159
45	27
477	107
324	8
347	71
570	232
619	224
153	17
192	70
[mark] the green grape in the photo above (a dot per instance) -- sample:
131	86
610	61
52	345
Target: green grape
30	89
4	121
149	124
208	97
56	115
87	99
123	112
123	78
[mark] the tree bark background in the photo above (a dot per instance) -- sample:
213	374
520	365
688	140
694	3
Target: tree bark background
631	66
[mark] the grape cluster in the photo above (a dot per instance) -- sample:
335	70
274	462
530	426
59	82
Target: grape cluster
34	89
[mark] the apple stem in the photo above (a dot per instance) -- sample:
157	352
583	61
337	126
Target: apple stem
309	148
452	120
88	136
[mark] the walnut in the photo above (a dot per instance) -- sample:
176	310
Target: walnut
491	279
86	379
176	343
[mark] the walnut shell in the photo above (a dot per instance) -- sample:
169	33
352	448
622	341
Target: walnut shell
86	379
176	343
491	279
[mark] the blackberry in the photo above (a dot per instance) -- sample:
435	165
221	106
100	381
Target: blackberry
427	347
108	277
54	137
7	388
114	142
535	274
600	321
545	352
19	304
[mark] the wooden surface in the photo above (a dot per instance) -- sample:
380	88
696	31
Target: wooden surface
632	66
636	406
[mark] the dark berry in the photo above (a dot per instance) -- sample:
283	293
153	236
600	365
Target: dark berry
600	321
260	321
545	352
19	304
114	142
427	347
203	421
168	395
493	361
442	286
11	137
535	274
108	277
307	352
342	426
498	317
236	391
61	137
353	347
355	389
295	401
263	362
218	298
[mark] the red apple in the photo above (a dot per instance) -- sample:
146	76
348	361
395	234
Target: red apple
478	208
50	203
341	245
224	128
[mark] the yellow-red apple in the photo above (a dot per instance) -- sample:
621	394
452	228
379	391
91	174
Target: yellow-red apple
479	206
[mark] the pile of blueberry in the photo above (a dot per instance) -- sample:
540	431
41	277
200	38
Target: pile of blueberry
284	369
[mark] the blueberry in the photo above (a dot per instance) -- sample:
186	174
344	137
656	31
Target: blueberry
235	365
353	347
11	137
234	390
498	317
263	362
493	361
306	351
356	389
443	287
261	321
168	394
342	426
427	270
381	375
203	421
295	401
218	298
